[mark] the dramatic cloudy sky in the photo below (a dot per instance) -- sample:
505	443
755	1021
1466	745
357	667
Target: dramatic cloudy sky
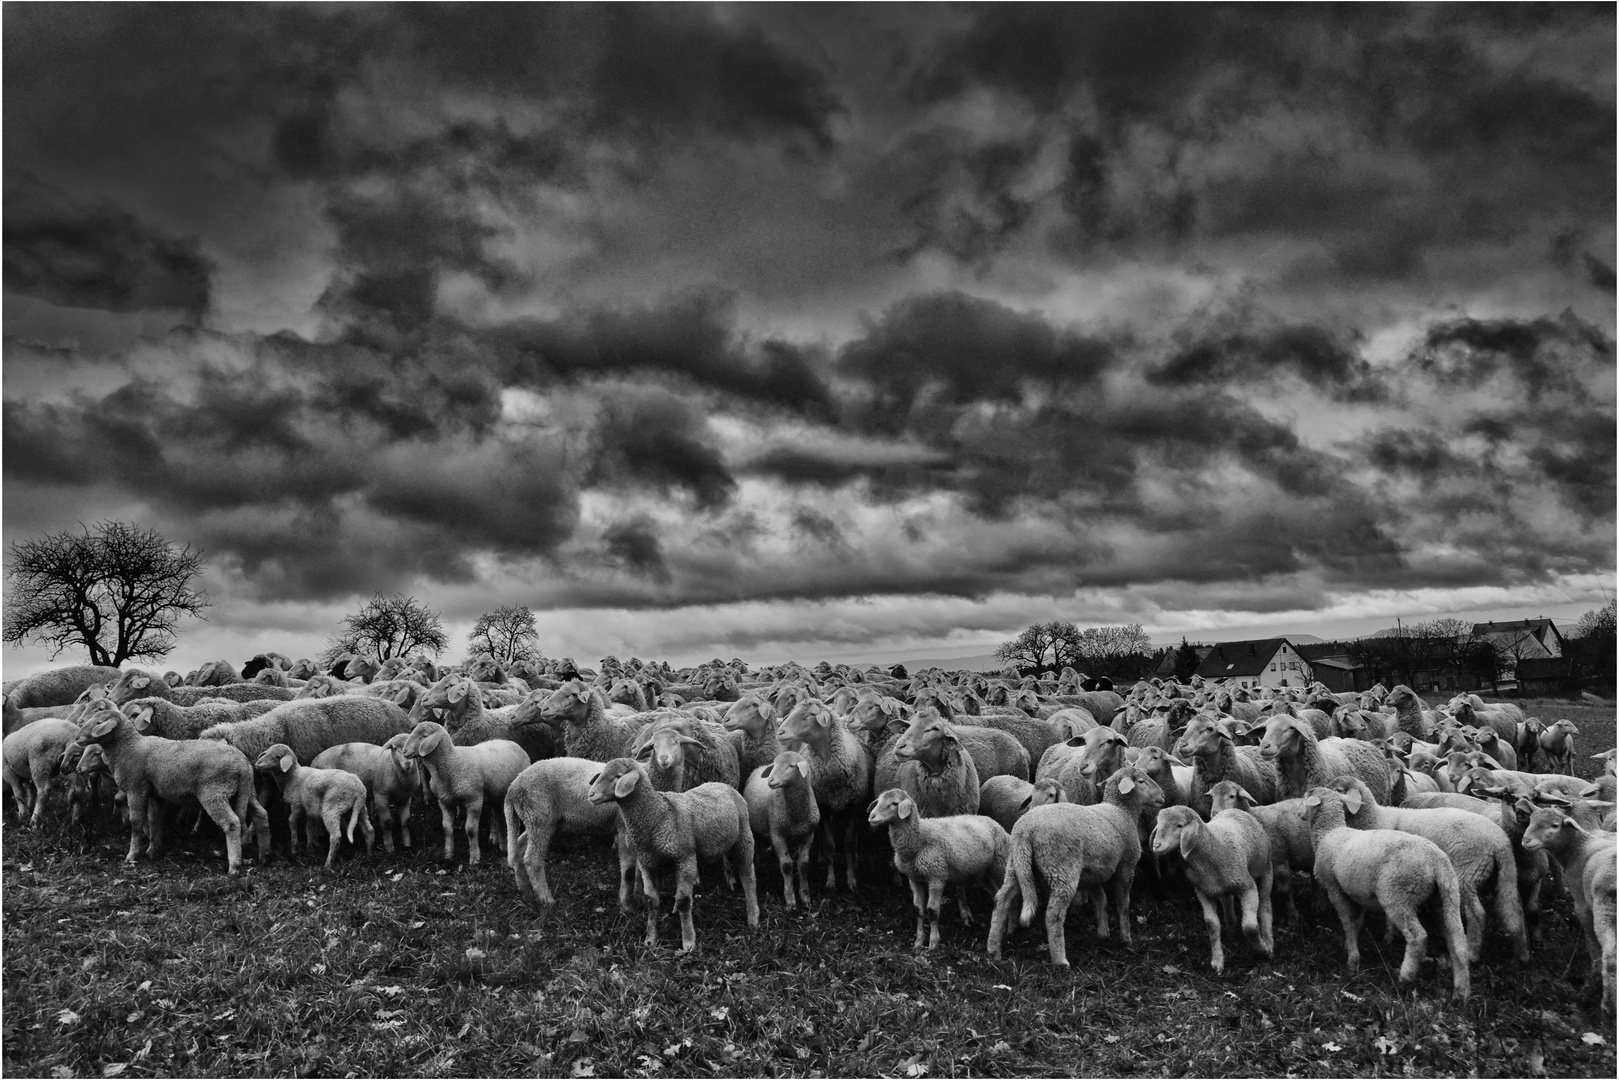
819	331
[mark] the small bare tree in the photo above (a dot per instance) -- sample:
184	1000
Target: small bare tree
508	634
386	627
117	591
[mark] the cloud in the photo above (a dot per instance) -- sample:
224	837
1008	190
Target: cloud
656	439
635	545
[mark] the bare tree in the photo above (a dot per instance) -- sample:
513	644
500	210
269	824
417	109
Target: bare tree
1115	651
386	627
117	591
1049	646
508	634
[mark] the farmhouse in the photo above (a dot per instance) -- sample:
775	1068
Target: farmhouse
1267	662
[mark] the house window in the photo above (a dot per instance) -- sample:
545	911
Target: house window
1273	667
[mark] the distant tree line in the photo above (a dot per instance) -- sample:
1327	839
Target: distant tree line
1121	653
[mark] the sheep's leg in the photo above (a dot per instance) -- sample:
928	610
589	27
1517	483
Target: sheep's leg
43	786
802	866
1120	887
311	836
1061	895
19	793
295	824
829	852
473	823
259	819
1249	903
536	842
1472	919
219	809
935	911
627	868
404	824
744	866
1212	923
136	804
155	809
961	906
919	900
333	817
649	889
1416	940
784	860
850	853
447	815
1267	927
1348	917
1282	884
685	884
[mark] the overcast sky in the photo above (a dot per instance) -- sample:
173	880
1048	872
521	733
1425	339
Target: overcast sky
798	331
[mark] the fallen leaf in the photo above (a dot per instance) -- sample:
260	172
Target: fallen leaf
1591	1038
114	1068
1331	1047
475	954
67	1016
1170	969
61	1072
584	1066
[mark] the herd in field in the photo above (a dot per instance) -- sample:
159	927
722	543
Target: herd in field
1020	784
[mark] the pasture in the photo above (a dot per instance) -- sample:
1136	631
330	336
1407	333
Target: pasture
400	964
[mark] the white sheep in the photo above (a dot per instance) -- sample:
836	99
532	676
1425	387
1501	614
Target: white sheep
464	778
1478	848
954	849
390	781
1388	871
935	770
312	794
551	797
841	770
1286	827
160	716
314	725
1557	743
1303	761
217	776
32	756
1588	863
1006	798
1216	757
58	686
1228	859
1095	848
674	829
752	723
591	729
782	809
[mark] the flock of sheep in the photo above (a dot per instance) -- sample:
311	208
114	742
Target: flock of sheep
1389	805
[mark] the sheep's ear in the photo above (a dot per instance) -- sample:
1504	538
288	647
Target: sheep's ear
1077	740
139	681
1024	805
626	783
1127	784
1352	800
803	768
1189	839
287	762
143	719
764	773
457	692
103	728
870	807
1312	800
823	717
401	694
592	781
903	808
429	743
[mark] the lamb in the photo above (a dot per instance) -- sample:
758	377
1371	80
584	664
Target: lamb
1478	849
676	829
1228	858
1217	757
1073	848
680	751
954	849
159	716
1527	742
1410	716
782	808
464	778
590	729
390	781
1286	827
1588	864
310	793
1173	776
217	776
841	771
1302	761
58	686
935	770
1006	798
549	797
752	723
314	725
1557	743
1394	872
31	756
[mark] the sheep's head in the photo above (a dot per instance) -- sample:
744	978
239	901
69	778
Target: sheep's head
1230	795
486	669
278	760
751	714
891	806
874	712
1103	754
789	768
1551	828
1324	809
1131	786
92	760
424	739
1284	738
665	745
569	702
1178	827
1202	737
100	719
141	715
407	768
810	721
616	781
1402	697
1044	793
1356	794
930	739
1155	761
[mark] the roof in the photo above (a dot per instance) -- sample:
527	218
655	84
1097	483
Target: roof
1516	628
1239	659
1342	663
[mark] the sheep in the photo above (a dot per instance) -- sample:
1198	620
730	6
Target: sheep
217	776
680	750
549	797
390	781
1394	872
159	716
135	683
1588	864
932	852
59	686
1410	715
457	703
1557	743
782	808
1302	761
216	673
1287	829
935	771
310	793
1157	729
1478	849
676	829
16	719
1073	848
841	771
1173	776
1034	736
1217	757
322	685
752	723
1006	798
590	729
311	726
1227	858
31	757
464	778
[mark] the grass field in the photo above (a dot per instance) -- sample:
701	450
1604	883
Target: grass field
395	965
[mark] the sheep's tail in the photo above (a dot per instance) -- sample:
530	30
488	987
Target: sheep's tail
354	817
1508	904
514	850
1022	860
1450	900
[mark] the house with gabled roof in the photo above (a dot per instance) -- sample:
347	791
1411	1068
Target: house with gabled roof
1266	662
1523	639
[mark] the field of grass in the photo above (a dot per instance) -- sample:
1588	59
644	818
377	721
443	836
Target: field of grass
396	965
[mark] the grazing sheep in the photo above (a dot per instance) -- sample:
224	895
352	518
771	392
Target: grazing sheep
954	849
464	778
751	720
313	793
782	808
314	725
1478	849
1095	848
674	830
1216	757
1227	859
1388	871
551	797
1302	761
841	771
217	776
1006	798
215	673
59	686
1588	863
935	770
590	729
390	781
31	758
1557	743
1286	827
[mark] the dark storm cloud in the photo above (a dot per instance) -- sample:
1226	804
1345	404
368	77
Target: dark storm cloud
658	440
1544	355
1308	352
95	256
634	544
